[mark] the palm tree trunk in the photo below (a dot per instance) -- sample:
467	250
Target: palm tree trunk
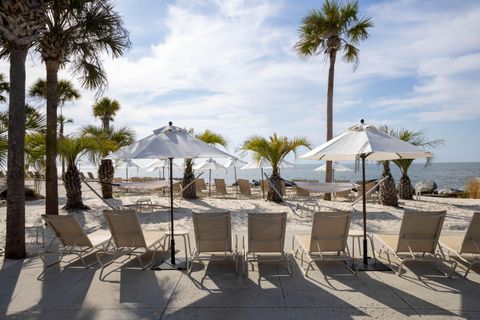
106	122
277	182
331	74
73	186
15	240
51	183
61	136
188	177
388	190
405	189
105	175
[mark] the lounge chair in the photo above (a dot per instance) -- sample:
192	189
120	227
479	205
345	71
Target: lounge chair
213	238
466	247
200	184
136	179
371	195
91	176
221	188
327	241
82	176
129	238
244	187
416	241
266	237
301	193
73	239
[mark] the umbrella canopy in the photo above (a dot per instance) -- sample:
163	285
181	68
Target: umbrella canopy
168	142
125	164
364	142
209	165
335	166
264	164
234	162
160	164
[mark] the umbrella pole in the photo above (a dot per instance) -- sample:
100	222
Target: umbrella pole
172	238
163	172
235	172
209	180
126	172
365	248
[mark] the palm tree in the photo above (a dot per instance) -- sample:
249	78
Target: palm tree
106	142
78	33
388	189
274	150
336	27
417	138
72	148
22	22
206	136
4	87
106	109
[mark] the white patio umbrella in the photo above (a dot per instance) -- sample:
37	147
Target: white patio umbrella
209	165
335	167
169	142
265	164
234	163
129	163
159	164
365	142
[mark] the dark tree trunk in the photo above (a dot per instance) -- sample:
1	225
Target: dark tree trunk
277	182
15	239
388	189
73	186
106	122
61	136
405	189
105	175
51	182
331	74
188	177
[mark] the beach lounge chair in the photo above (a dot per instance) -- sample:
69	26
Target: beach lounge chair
213	238
244	187
416	241
136	179
327	241
200	184
372	195
221	188
73	239
465	247
90	176
266	238
129	239
301	193
82	176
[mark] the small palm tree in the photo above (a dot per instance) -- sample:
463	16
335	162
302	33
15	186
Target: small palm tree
22	24
388	189
274	150
106	109
417	138
72	148
78	33
206	136
336	27
104	143
4	88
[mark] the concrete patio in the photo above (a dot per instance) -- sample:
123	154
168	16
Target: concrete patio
215	292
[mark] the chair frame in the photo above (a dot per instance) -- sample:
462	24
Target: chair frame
321	256
436	255
133	249
196	255
460	254
252	256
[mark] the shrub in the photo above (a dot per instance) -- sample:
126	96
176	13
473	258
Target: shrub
473	188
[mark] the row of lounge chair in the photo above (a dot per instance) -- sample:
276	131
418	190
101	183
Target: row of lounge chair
419	238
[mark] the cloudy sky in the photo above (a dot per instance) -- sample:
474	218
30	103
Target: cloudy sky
229	66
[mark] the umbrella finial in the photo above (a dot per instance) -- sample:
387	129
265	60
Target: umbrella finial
362	121
170	123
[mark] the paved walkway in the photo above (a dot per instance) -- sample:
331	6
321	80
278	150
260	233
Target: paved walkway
215	292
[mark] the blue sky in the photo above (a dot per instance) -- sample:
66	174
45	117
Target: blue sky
229	66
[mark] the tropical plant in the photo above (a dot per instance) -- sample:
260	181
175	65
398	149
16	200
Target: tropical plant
336	27
104	143
206	136
72	148
274	149
106	109
22	23
388	189
78	33
417	138
4	88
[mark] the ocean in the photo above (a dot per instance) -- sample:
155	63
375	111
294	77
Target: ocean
446	175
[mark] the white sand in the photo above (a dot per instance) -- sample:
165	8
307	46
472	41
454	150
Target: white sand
380	218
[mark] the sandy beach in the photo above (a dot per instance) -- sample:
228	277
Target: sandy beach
380	218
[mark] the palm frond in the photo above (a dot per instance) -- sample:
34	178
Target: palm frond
211	137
